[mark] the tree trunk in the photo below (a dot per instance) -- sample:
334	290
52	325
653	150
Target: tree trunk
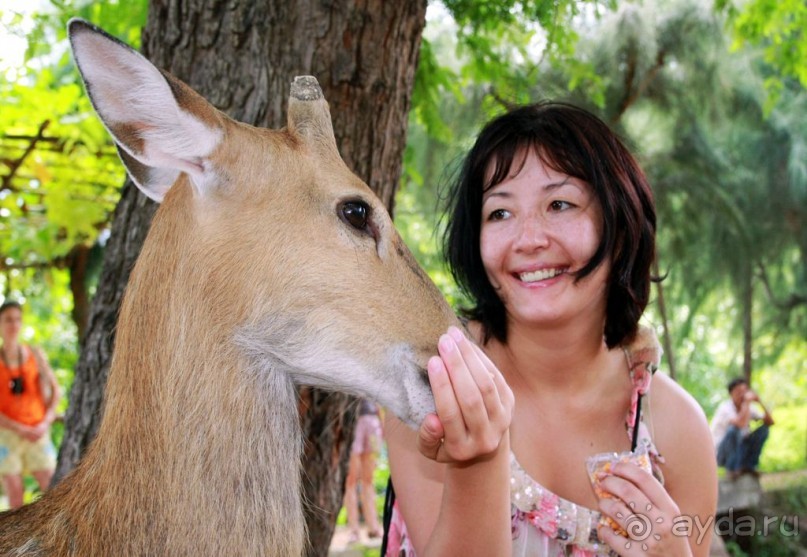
77	263
662	309
242	55
748	330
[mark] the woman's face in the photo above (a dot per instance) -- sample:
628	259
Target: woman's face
538	227
10	324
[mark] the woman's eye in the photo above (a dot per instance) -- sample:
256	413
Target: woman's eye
498	214
355	213
559	205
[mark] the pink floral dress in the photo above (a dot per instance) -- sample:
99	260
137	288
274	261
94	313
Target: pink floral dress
544	524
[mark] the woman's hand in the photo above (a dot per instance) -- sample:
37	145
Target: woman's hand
644	509
474	404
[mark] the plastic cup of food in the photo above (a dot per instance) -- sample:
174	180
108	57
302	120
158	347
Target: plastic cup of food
599	467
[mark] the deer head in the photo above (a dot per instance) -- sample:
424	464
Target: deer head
265	242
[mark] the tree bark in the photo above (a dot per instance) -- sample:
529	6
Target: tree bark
662	309
77	264
748	324
242	55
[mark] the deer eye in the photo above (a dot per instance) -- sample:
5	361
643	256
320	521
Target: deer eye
355	213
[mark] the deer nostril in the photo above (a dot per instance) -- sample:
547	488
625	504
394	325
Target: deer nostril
423	375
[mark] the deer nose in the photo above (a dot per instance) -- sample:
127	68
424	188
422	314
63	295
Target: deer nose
423	375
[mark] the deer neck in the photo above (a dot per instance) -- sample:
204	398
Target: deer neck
202	439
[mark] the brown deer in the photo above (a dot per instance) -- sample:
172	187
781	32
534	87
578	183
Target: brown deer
268	264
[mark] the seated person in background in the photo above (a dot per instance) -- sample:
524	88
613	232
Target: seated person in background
738	448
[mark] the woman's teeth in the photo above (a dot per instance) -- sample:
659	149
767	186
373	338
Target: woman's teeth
536	276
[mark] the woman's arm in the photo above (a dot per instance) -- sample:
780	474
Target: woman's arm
682	436
449	511
452	476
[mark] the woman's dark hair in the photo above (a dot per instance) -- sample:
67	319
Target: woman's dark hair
573	141
8	304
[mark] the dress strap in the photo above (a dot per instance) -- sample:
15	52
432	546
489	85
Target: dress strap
634	441
644	356
389	502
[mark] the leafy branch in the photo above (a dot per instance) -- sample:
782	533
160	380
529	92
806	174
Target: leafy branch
15	164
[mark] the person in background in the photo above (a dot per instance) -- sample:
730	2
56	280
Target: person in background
28	397
359	483
738	448
551	234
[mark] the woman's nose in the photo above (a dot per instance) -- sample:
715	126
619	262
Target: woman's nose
532	235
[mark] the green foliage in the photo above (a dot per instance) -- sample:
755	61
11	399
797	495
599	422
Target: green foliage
121	18
791	499
786	448
432	83
61	193
778	26
61	176
496	47
783	537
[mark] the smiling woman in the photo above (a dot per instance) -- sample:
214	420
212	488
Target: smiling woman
552	236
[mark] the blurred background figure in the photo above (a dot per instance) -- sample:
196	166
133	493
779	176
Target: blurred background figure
738	448
28	397
359	484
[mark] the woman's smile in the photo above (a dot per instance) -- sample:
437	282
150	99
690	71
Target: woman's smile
540	276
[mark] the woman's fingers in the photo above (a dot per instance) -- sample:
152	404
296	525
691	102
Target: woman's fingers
445	399
476	392
649	486
624	492
645	512
503	391
473	402
454	384
430	437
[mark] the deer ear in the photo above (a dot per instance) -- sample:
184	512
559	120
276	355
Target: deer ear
160	125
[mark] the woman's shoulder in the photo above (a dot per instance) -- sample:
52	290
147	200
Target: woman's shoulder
680	432
682	436
673	406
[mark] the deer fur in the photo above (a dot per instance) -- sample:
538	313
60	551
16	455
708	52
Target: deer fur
252	279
